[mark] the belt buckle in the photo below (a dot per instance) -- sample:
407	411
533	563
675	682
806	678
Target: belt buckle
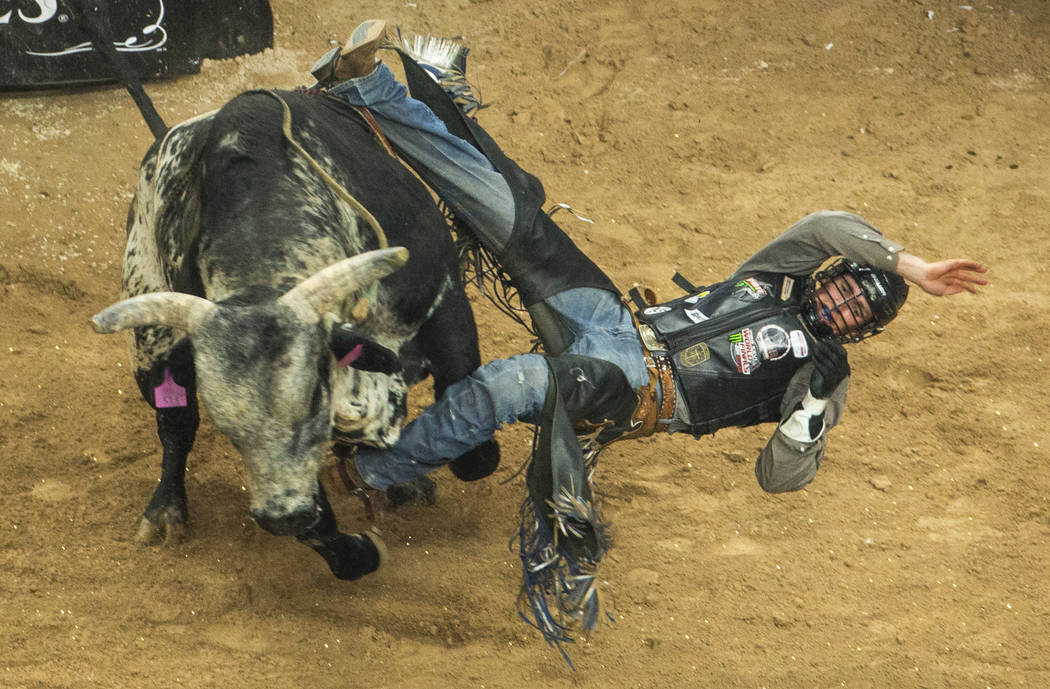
649	339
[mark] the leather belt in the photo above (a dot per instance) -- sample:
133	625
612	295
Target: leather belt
648	415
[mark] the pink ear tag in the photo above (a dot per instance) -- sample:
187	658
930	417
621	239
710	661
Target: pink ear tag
169	393
352	356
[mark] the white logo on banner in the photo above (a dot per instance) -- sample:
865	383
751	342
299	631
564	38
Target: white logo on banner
150	37
47	8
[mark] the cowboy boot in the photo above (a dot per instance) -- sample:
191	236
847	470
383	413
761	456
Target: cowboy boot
375	501
358	57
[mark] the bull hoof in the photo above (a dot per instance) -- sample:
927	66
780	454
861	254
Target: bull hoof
478	463
165	527
418	491
352	557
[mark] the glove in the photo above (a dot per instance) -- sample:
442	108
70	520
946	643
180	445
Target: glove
830	367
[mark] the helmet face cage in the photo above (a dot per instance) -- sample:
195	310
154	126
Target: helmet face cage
884	293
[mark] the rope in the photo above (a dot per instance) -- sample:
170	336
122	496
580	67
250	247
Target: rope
332	183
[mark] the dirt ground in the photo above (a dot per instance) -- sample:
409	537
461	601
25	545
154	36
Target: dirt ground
690	132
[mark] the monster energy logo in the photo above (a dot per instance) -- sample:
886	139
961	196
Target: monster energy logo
743	347
752	285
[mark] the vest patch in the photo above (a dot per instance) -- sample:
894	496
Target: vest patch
694	355
785	288
773	342
754	288
653	310
798	344
744	353
695	315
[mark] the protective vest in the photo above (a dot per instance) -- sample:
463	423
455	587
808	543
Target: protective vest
733	347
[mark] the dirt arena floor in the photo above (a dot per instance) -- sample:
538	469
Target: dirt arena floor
691	132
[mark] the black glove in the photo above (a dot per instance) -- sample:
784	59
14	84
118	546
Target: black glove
830	367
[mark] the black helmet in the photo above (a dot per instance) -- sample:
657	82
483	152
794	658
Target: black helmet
884	291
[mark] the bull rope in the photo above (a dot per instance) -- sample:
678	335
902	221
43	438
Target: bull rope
360	310
331	181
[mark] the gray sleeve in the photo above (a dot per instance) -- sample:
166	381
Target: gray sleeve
804	246
785	464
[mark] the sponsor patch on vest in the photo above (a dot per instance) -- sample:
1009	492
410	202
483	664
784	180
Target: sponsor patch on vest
786	287
799	347
697	297
695	355
653	310
773	342
753	289
695	315
744	352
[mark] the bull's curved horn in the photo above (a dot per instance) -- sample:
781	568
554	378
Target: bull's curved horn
173	309
326	287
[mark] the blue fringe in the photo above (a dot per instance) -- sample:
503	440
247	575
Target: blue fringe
559	595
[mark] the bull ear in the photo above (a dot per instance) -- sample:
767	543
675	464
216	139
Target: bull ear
172	309
355	351
325	288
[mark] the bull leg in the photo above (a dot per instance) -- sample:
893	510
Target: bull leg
167	514
348	556
169	386
449	340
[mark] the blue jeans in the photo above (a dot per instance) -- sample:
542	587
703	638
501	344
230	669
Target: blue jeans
457	171
506	390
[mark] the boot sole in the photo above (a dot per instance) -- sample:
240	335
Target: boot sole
358	55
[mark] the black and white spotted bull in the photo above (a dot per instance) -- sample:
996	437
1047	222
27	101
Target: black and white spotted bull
256	283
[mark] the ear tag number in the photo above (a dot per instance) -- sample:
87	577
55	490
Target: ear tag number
169	393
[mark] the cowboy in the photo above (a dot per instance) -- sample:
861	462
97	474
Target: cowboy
764	345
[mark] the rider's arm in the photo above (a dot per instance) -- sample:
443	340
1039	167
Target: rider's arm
790	459
804	246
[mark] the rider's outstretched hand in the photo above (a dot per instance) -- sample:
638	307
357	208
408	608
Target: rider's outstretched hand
942	278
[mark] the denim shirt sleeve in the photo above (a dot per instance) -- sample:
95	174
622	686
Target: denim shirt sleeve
804	246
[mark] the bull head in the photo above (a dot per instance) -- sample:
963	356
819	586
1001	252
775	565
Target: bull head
264	374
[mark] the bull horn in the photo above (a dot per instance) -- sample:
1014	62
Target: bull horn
172	309
326	287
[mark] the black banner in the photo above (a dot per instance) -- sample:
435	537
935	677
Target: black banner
43	43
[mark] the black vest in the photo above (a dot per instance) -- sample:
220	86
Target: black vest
733	347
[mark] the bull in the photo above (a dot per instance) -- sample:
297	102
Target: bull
256	278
